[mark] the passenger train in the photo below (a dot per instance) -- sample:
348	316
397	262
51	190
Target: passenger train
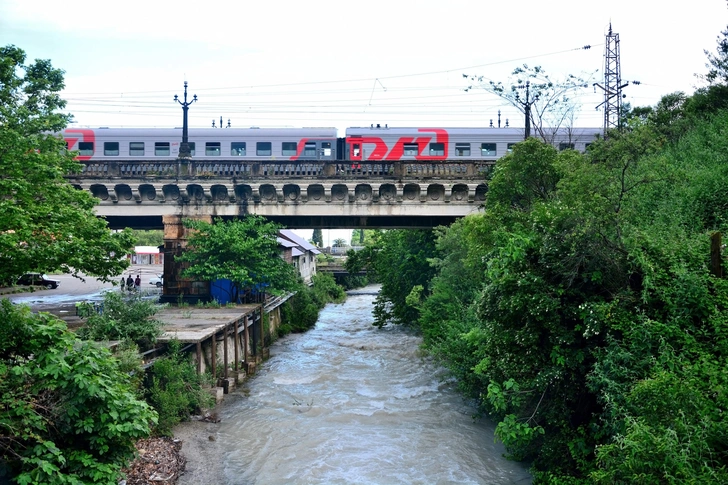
360	144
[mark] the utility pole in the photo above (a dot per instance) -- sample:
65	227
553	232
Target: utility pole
228	124
184	148
527	107
612	84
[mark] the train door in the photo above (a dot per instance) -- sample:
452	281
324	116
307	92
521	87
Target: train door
326	151
354	148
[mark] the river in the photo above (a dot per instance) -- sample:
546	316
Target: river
347	403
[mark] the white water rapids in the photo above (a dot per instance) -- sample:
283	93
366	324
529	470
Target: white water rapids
347	403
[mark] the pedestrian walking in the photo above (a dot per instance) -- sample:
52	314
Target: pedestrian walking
122	284
129	284
138	283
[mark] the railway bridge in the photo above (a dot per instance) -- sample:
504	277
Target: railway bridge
304	194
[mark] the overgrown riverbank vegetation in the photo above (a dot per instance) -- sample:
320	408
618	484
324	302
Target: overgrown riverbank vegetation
581	309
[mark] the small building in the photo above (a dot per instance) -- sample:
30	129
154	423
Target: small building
147	255
299	252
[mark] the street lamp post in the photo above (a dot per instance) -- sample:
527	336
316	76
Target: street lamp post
184	148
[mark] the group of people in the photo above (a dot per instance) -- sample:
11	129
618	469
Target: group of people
131	284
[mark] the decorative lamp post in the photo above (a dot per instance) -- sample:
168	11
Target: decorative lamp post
184	148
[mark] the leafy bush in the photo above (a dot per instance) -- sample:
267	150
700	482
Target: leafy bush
325	289
124	317
68	415
175	390
301	312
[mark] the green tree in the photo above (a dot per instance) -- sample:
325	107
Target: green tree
363	237
594	332
318	238
244	251
68	415
46	224
148	238
717	62
339	242
400	259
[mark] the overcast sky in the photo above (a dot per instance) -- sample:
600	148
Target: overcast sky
329	63
342	63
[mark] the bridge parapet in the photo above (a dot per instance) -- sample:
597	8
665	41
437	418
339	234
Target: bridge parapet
342	170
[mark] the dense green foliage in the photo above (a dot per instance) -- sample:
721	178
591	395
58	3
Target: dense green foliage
300	313
124	317
148	238
46	224
580	309
175	389
244	251
400	261
68	415
363	237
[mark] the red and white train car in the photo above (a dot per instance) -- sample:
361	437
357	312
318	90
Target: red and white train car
205	143
385	143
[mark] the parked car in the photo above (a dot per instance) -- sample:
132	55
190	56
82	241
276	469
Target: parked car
38	279
157	281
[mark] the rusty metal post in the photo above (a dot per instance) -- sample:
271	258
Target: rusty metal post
246	340
236	343
225	350
199	358
214	355
716	266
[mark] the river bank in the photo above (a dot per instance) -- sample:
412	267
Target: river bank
200	448
191	456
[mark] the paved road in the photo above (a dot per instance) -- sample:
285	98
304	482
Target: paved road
62	300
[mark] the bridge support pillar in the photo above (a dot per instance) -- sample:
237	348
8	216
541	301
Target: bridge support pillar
176	288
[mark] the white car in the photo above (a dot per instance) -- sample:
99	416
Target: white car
157	281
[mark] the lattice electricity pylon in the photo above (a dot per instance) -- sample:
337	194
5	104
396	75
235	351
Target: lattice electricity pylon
612	83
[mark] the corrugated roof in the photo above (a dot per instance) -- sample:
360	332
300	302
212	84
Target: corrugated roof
292	236
286	243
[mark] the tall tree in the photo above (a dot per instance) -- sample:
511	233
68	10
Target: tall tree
45	223
717	62
547	105
318	237
244	251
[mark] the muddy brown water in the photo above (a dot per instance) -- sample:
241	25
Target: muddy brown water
347	403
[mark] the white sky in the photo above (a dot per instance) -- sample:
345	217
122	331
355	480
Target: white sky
340	64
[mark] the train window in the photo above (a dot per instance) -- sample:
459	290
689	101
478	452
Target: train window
136	148
191	144
111	148
263	149
357	149
510	147
462	149
86	148
411	149
326	147
309	149
487	150
237	148
566	146
437	149
212	148
289	148
161	148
